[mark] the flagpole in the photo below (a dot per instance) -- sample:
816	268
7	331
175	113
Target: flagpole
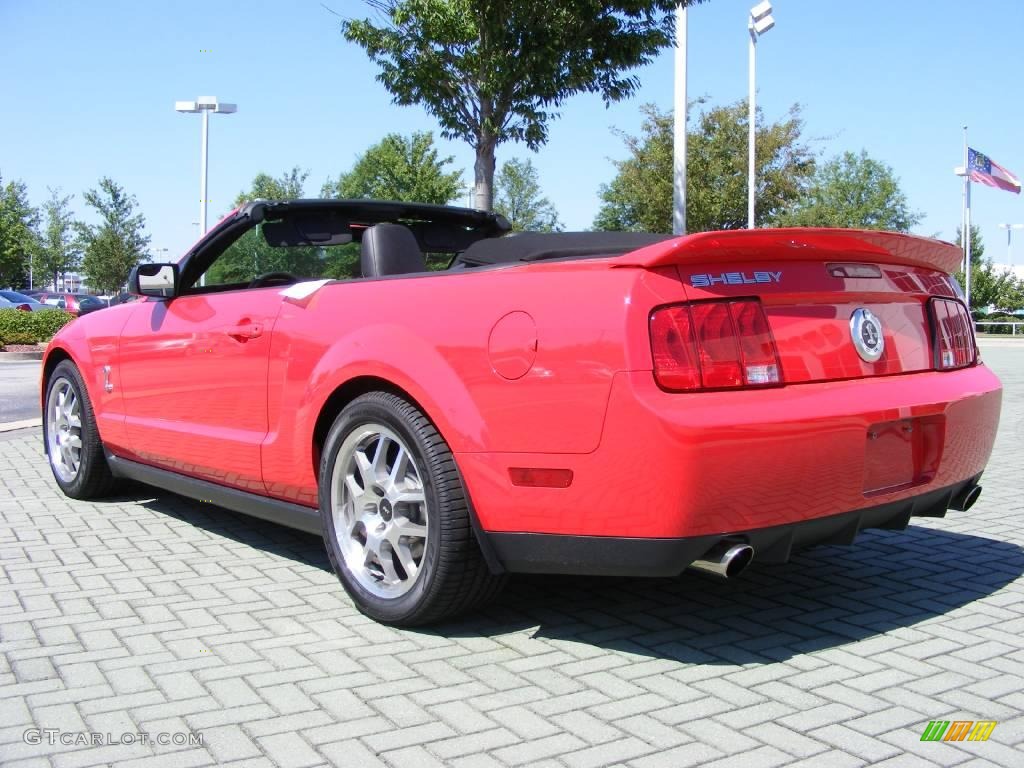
967	227
963	202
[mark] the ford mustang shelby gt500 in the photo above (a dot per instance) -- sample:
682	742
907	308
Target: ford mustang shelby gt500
588	403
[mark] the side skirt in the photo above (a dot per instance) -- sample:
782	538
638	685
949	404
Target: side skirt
281	512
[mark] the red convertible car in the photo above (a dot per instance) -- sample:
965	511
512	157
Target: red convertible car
585	403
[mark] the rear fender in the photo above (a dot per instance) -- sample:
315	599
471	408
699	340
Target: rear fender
396	354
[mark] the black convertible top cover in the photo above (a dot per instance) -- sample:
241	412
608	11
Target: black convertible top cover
536	246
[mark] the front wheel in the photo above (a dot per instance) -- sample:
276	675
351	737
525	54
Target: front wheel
395	516
72	438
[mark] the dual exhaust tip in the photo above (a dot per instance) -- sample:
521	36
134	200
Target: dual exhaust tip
726	560
966	498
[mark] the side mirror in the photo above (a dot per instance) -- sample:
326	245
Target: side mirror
160	280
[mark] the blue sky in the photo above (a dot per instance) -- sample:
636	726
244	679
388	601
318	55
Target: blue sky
91	86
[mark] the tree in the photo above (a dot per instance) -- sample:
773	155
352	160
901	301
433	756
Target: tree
518	198
59	248
496	72
398	168
855	192
287	186
977	245
19	242
251	255
639	198
117	243
990	285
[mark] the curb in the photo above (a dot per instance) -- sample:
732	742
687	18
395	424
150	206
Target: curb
10	426
11	356
988	341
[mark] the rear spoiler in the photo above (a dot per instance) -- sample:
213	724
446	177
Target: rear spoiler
798	244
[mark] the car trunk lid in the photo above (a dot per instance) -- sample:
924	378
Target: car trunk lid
816	287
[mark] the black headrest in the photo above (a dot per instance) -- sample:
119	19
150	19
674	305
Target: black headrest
390	249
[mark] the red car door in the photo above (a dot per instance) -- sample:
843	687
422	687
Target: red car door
193	373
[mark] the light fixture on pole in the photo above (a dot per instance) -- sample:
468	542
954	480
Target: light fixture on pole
204	105
1009	240
679	119
760	21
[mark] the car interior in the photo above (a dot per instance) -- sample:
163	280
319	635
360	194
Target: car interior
278	243
273	243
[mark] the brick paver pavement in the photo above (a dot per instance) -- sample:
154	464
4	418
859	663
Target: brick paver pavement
152	614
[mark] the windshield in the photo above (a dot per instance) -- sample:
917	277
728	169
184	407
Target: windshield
251	256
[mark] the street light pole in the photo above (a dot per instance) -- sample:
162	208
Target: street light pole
760	21
679	118
204	105
204	169
1009	241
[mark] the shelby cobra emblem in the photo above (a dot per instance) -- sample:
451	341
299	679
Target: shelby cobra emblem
866	330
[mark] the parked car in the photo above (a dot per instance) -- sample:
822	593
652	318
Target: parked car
22	301
7	304
584	403
74	303
120	298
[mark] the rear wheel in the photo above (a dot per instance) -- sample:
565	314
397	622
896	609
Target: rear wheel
396	521
72	440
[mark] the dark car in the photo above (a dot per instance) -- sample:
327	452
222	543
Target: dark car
74	303
121	298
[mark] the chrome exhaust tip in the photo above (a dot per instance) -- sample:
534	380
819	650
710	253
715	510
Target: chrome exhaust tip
726	560
966	499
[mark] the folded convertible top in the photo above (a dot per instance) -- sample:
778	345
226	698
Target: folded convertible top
536	246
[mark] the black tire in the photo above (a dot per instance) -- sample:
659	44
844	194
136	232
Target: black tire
452	577
93	478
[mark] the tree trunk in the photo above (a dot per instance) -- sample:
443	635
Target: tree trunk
483	171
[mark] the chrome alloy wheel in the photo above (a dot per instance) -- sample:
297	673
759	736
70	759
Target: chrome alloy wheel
64	430
379	510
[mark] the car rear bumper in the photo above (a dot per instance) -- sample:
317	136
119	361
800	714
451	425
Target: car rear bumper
681	466
622	556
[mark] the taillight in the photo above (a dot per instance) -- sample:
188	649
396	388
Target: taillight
713	345
24	307
953	332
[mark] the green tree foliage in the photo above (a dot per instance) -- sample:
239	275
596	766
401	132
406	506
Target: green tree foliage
853	191
497	72
408	169
517	197
977	245
19	242
287	186
991	286
117	243
59	250
639	198
251	255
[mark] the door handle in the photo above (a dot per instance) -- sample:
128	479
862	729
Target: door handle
246	331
